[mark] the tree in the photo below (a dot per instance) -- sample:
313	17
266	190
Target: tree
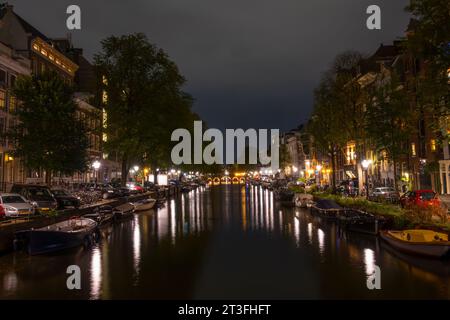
428	42
49	136
390	121
144	100
350	97
326	122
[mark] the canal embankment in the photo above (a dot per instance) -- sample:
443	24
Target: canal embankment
397	217
9	227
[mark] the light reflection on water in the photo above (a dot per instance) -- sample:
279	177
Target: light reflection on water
220	242
96	273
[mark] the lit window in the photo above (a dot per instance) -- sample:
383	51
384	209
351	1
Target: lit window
433	144
413	149
2	99
12	104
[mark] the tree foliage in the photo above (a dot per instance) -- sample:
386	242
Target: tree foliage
145	102
390	120
49	136
429	42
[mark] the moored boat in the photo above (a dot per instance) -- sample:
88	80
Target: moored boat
326	208
360	221
103	215
284	196
124	211
67	234
145	204
418	242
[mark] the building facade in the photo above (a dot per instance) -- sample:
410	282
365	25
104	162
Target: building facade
12	65
29	51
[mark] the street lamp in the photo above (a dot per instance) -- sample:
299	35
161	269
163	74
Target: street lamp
365	164
96	165
318	168
136	168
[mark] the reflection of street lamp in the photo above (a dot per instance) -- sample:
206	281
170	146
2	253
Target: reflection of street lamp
365	164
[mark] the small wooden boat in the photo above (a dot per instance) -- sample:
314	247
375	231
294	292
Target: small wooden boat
419	242
326	208
103	215
67	234
123	211
145	204
360	221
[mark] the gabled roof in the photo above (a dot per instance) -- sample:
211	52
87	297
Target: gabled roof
386	52
30	29
25	25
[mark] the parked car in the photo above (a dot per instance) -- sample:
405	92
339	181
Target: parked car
2	212
65	199
150	186
134	187
109	192
39	196
420	198
385	192
14	205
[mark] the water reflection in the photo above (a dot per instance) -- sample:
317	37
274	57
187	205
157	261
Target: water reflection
136	248
229	241
96	273
369	261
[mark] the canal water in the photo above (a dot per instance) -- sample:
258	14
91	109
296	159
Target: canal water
226	242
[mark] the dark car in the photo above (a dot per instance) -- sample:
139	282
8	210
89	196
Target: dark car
65	199
109	192
39	196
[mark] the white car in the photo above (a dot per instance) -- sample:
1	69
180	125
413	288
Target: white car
385	192
15	205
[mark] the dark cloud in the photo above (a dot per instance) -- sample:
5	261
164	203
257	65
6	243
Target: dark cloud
251	63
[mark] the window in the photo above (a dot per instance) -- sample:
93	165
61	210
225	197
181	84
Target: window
12	80
413	149
2	77
2	99
12	104
433	145
2	130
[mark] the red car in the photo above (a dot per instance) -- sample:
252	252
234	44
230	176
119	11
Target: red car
2	212
420	198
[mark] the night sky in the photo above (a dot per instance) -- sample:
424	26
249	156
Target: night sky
248	63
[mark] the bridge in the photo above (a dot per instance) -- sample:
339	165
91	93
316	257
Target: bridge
226	180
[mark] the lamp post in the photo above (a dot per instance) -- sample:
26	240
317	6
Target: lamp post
365	164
